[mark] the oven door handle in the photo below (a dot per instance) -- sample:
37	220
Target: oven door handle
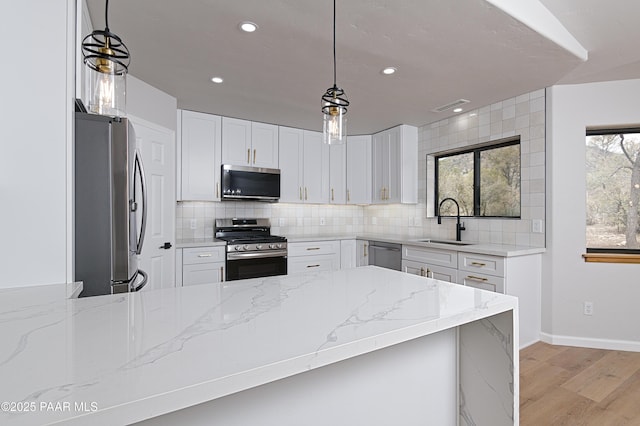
256	255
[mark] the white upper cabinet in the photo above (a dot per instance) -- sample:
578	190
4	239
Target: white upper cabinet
338	173
245	143
304	167
395	165
358	170
315	168
198	159
264	145
291	158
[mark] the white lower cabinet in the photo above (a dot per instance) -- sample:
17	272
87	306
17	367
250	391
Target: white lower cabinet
313	256
201	265
518	276
432	271
348	257
362	252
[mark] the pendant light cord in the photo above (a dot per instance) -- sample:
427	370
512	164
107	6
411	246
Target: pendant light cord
106	15
334	43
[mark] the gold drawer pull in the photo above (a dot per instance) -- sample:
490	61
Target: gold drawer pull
254	156
478	264
205	255
248	156
313	248
312	266
474	278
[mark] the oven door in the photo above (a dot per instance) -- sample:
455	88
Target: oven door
256	264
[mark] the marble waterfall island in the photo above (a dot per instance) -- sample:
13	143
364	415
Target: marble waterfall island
356	346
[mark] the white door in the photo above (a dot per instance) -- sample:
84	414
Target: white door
157	145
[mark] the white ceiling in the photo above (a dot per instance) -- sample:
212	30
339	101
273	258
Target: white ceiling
444	50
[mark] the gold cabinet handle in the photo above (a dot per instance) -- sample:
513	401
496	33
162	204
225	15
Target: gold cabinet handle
422	274
313	248
348	196
332	199
382	193
366	246
254	156
479	264
221	273
300	188
248	156
474	278
218	190
205	255
312	266
305	193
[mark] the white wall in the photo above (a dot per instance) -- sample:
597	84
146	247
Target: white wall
567	280
153	105
36	40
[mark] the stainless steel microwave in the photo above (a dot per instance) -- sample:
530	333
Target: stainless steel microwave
250	183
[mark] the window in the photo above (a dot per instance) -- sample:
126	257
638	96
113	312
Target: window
613	191
485	181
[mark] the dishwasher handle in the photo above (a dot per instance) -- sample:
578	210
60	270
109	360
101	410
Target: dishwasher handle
383	248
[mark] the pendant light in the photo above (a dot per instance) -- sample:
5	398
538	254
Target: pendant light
334	104
108	60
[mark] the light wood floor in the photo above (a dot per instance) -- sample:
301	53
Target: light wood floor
562	385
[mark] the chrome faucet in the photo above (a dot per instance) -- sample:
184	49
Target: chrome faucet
459	227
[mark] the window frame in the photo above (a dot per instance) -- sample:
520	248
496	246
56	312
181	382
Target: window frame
604	254
476	174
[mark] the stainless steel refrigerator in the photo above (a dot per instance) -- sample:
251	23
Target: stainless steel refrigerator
110	205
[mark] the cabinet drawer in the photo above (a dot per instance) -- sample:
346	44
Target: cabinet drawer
438	272
482	263
481	281
207	273
313	248
429	256
192	256
327	262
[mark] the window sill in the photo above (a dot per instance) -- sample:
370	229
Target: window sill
611	258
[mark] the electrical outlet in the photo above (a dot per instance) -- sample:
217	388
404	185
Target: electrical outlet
588	308
322	222
193	223
536	226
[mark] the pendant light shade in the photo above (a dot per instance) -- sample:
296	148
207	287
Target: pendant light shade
107	58
334	104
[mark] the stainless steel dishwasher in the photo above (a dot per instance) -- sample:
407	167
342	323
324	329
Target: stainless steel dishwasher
386	255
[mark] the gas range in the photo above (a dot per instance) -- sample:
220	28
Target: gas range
251	249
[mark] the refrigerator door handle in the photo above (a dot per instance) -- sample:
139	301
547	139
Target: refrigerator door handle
139	166
145	278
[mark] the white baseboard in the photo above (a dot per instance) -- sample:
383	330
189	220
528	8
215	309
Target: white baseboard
585	342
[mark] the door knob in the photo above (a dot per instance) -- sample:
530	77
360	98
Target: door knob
166	246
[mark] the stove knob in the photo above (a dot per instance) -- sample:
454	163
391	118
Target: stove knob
245	247
238	248
272	246
258	246
279	245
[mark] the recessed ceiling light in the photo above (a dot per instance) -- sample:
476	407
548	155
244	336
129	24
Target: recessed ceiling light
473	114
389	70
457	110
248	27
217	79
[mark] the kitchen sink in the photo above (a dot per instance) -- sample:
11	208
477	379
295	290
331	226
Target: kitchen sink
453	243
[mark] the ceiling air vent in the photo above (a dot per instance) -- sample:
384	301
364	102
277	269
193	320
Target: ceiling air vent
451	105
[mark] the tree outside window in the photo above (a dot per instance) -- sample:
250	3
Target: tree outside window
485	181
613	190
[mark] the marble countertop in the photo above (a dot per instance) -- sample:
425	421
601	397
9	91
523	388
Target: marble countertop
481	248
118	359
